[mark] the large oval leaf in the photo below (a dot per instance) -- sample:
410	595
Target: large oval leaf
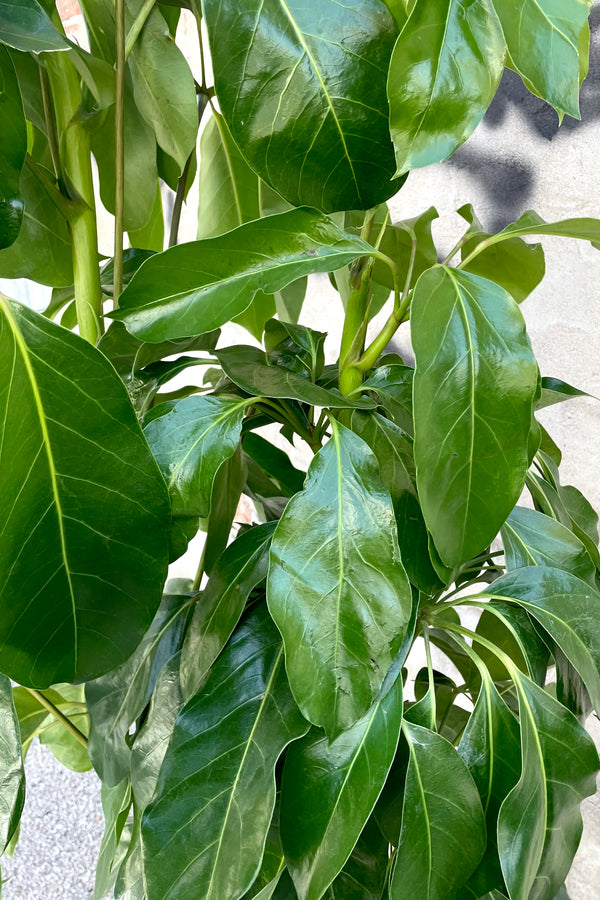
336	588
329	790
474	386
85	511
26	26
206	828
13	146
310	77
12	775
444	72
196	287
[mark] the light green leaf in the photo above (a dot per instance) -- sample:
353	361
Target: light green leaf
25	25
13	146
195	287
340	636
475	382
444	72
310	77
583	229
12	775
207	840
116	803
84	508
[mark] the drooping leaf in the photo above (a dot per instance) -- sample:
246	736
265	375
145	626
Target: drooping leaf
475	382
252	371
207	840
241	567
117	699
444	72
12	775
196	287
443	828
116	803
13	146
275	462
532	539
190	443
85	510
319	131
583	518
543	42
329	790
343	603
151	236
539	825
583	229
556	391
26	26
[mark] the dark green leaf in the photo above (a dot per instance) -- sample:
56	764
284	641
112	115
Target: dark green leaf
28	72
543	40
128	355
474	387
12	775
556	391
241	567
444	72
85	510
190	443
329	790
196	287
273	863
295	347
319	132
338	591
393	385
151	236
251	370
13	146
26	26
365	873
443	828
583	518
532	539
275	463
227	490
207	840
511	630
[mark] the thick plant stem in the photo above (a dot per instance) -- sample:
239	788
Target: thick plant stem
76	171
119	147
66	722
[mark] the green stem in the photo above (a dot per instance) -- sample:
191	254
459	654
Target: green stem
139	22
200	569
66	722
120	52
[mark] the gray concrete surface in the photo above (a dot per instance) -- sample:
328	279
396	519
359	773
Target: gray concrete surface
516	160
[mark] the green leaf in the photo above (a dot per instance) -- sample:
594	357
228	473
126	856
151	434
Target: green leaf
64	746
227	490
567	608
365	873
329	790
340	639
12	775
128	355
444	72
318	109
443	828
240	568
253	372
556	391
42	251
583	229
475	382
116	802
296	347
273	863
207	839
84	508
196	287
539	826
26	26
163	86
516	266
96	74
117	699
190	443
393	385
13	146
276	463
543	42
532	539
583	518
151	236
511	630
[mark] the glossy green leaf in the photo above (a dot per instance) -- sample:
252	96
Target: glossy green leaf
365	873
275	463
42	251
539	825
227	490
393	386
511	630
241	567
116	803
341	602
556	391
583	229
475	382
12	775
296	347
117	699
196	287
532	539
253	372
516	266
542	38
444	72
319	132
567	608
13	146
85	510
207	840
26	26
273	863
329	790
443	828
190	443
583	518
128	355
